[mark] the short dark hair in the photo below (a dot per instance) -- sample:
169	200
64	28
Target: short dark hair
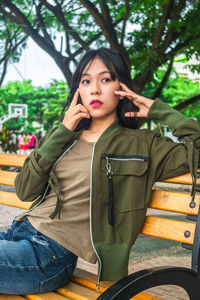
115	63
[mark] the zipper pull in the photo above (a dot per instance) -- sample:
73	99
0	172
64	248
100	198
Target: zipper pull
98	286
108	167
109	174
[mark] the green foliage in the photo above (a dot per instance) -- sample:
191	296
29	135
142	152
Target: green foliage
176	90
79	22
44	104
145	17
6	143
148	34
57	98
12	44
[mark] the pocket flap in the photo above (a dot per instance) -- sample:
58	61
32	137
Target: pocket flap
126	167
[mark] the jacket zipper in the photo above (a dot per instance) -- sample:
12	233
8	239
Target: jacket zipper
45	192
109	174
72	145
110	215
91	235
117	157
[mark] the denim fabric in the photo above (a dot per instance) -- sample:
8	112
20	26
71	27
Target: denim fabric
31	262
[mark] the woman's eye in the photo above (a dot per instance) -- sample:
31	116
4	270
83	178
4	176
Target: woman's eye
105	79
85	81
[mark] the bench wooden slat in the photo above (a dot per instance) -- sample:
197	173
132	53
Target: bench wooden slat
11	199
7	177
169	229
46	296
175	202
12	160
89	280
11	297
75	291
184	179
144	296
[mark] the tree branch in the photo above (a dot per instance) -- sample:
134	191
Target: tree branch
9	51
164	80
57	11
3	74
67	49
16	16
12	50
180	46
111	33
170	34
126	16
187	102
107	27
102	21
142	78
95	13
23	22
42	25
161	26
80	50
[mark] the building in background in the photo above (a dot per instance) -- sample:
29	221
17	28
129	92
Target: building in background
181	66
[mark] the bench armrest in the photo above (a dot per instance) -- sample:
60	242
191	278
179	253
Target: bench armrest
135	283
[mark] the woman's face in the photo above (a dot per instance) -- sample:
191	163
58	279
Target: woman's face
96	89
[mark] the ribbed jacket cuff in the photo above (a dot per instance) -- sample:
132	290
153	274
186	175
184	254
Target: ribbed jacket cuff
56	143
163	113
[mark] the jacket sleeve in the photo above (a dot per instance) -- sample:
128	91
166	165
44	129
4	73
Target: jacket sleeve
169	158
32	180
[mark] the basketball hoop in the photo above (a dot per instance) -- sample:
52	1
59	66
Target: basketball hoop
18	110
15	110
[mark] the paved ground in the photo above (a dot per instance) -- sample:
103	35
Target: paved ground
147	253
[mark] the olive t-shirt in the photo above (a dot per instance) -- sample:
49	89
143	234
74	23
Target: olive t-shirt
72	230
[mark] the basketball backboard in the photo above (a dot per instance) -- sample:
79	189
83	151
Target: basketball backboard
18	110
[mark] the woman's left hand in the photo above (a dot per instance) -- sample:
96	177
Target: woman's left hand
141	102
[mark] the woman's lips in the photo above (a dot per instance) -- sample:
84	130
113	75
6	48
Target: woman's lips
96	103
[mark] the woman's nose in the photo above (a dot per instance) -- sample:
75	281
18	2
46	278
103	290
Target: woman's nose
95	88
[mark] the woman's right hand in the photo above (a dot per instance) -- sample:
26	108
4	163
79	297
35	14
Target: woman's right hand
141	102
75	113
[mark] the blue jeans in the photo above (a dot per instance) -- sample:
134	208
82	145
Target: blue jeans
30	262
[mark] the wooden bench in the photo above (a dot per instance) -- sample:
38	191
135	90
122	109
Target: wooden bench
83	283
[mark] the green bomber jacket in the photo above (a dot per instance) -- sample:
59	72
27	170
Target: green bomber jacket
125	165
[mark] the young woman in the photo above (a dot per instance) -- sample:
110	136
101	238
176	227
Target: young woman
91	179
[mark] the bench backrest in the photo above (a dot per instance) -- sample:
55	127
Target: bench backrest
7	178
177	202
172	195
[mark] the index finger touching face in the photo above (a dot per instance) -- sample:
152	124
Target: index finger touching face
124	87
75	98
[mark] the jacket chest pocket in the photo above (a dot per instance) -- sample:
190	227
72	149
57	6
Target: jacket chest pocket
126	177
